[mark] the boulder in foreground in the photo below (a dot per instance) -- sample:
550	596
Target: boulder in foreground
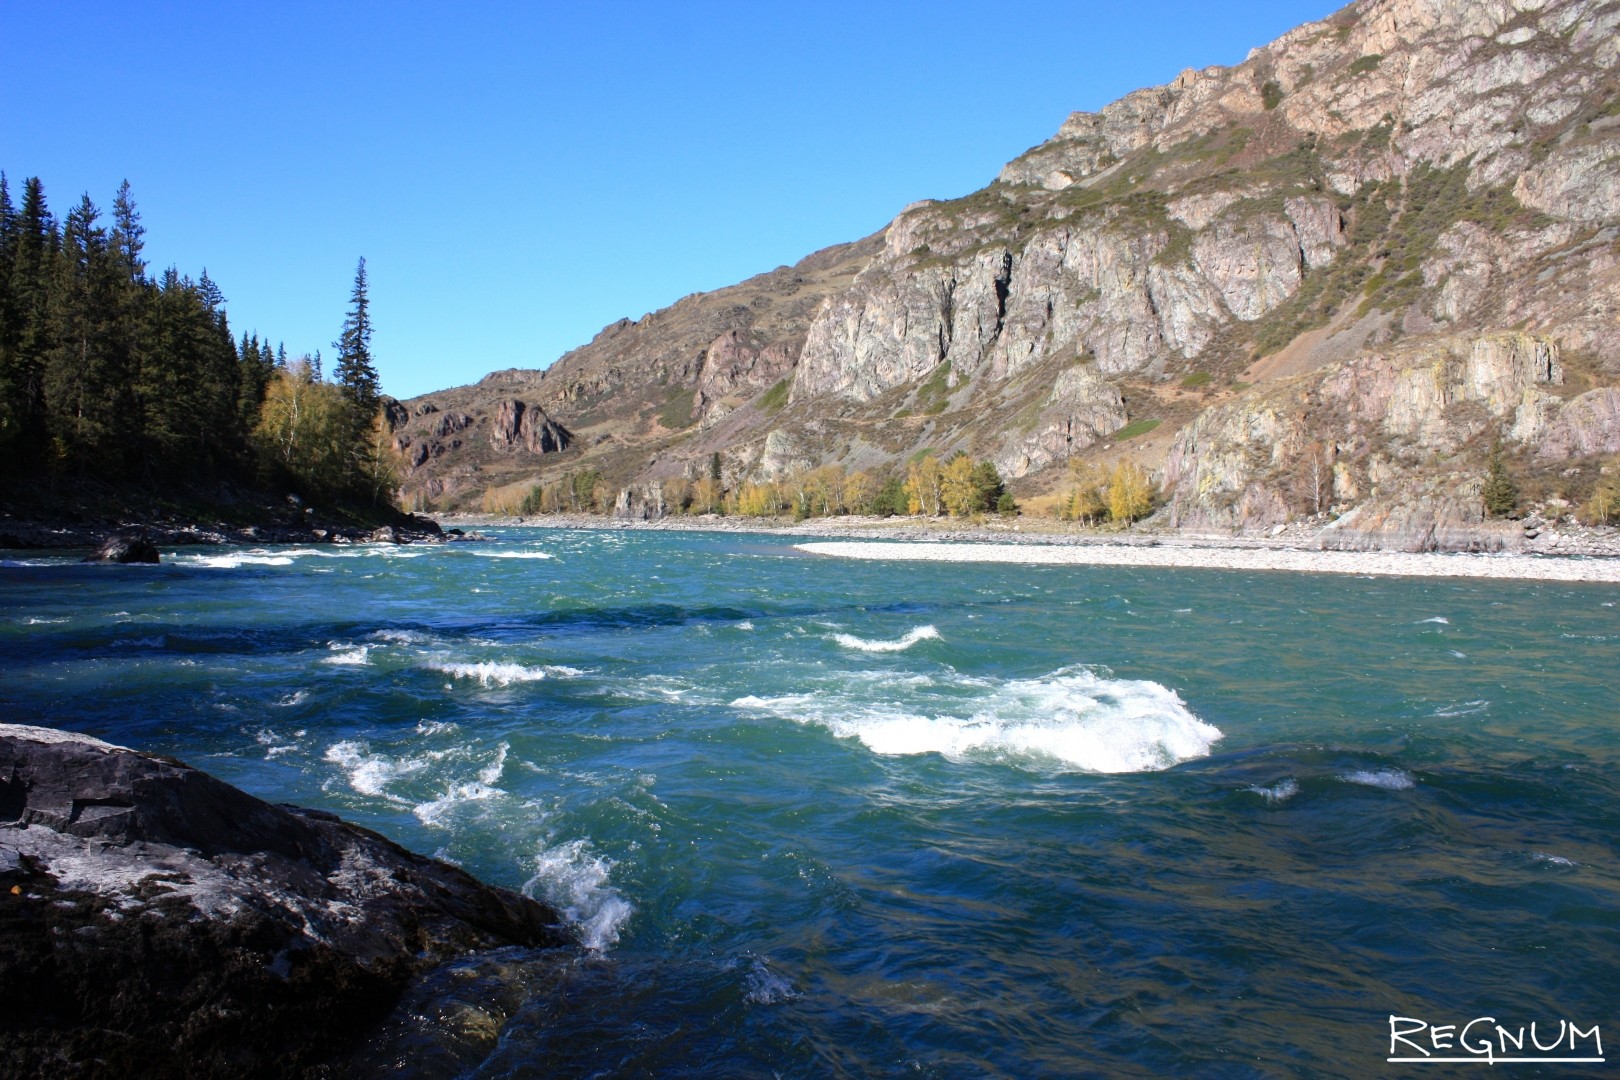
156	921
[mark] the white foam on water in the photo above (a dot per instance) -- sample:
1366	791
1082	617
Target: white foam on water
400	637
434	727
1459	655
275	745
297	697
1555	860
513	554
1388	779
434	811
234	559
1281	791
1074	716
746	624
348	655
574	880
1467	708
1441	619
900	644
40	620
493	673
368	773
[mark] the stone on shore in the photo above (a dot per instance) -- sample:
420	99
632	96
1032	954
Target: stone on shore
156	921
125	547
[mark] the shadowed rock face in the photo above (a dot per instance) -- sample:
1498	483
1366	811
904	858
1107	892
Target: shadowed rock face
155	921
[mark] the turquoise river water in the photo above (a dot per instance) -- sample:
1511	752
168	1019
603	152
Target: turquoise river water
816	817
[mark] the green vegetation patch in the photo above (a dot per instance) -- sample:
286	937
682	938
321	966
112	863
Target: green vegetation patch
935	393
677	411
1196	380
1363	64
1271	95
774	398
1135	428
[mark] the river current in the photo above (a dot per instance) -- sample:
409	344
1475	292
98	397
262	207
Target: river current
815	817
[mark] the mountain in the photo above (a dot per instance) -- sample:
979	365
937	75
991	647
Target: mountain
1334	276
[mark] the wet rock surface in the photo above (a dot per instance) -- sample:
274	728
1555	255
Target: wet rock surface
125	547
156	921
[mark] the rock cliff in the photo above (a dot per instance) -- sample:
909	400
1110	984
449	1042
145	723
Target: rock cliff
1373	204
159	922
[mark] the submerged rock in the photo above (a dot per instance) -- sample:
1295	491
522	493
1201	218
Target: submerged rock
156	921
125	547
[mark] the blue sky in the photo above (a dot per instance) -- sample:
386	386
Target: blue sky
519	175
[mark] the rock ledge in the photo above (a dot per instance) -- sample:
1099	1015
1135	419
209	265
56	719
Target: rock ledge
156	921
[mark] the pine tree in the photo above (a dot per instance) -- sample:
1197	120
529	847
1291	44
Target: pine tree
85	375
25	338
356	376
128	234
1499	493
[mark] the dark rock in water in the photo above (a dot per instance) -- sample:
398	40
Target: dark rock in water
156	921
125	547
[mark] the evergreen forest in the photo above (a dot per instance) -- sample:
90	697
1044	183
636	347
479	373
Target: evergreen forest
127	384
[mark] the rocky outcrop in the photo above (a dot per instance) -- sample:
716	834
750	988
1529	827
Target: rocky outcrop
1082	409
125	547
640	502
1448	520
159	922
516	425
1586	425
737	366
1363	429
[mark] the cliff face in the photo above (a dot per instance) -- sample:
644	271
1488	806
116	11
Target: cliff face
1405	181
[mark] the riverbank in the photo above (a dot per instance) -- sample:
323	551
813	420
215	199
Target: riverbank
1567	553
1375	563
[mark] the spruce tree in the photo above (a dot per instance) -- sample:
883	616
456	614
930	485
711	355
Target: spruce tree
354	372
128	234
25	339
1499	493
85	377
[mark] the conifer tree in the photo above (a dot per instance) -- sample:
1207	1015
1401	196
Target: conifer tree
1499	493
355	374
25	338
86	375
128	234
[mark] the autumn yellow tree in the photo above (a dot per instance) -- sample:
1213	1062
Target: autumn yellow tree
1130	493
825	488
859	487
958	491
758	499
1087	501
305	430
924	478
706	495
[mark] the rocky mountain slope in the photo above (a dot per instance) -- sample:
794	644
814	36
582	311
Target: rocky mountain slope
1336	275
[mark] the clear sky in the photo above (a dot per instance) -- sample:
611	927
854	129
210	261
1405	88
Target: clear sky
519	175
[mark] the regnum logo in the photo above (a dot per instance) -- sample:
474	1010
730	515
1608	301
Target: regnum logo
1486	1041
